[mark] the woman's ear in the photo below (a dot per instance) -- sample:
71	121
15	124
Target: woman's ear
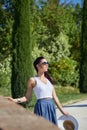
37	66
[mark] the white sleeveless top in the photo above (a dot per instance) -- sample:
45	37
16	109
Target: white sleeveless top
43	90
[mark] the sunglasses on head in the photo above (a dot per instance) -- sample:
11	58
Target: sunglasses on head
44	63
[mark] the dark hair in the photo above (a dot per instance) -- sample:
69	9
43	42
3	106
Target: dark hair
37	61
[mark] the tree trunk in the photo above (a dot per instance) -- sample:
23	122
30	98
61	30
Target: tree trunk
22	59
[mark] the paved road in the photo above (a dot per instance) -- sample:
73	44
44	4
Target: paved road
79	111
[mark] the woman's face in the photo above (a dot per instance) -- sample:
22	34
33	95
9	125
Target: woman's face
43	65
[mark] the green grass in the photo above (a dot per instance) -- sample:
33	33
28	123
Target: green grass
65	95
69	94
69	98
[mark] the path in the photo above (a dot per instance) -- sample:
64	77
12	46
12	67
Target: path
79	111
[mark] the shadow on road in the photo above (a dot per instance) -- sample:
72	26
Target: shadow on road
82	105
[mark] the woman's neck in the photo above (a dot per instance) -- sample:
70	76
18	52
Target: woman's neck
40	74
42	77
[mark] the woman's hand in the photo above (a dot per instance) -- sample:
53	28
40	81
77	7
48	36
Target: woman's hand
66	113
11	99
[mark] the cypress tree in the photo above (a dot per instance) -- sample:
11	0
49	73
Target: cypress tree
22	60
83	67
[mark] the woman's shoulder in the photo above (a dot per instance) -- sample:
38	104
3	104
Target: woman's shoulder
31	79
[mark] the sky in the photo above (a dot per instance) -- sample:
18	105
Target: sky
67	1
72	1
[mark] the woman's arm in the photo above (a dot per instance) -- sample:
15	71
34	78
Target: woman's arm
30	86
57	102
26	98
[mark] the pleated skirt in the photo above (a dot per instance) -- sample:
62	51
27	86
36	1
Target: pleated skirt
46	109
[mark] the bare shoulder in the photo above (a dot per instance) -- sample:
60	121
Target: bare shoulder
32	79
31	82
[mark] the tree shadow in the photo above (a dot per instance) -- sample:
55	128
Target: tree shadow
82	105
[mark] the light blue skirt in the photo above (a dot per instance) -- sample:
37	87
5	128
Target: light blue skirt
46	109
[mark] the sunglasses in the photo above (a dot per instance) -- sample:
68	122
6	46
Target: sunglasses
44	63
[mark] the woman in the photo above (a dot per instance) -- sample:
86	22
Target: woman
42	85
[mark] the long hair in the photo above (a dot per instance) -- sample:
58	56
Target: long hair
37	61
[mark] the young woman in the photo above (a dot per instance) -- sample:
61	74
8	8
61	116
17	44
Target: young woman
42	85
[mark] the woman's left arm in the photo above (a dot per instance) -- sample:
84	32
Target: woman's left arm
57	102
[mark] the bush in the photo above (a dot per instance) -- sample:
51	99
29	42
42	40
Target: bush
5	75
65	72
66	90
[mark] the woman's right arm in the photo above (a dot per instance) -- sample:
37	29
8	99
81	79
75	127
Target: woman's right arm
30	86
26	98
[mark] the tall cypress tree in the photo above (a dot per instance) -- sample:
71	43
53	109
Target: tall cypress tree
22	60
83	68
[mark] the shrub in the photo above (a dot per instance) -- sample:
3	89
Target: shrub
5	75
65	72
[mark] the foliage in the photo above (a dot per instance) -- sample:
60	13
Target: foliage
75	33
55	32
83	67
66	90
21	58
59	48
5	34
65	72
6	23
57	36
5	74
37	52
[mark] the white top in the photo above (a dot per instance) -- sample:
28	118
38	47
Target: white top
43	90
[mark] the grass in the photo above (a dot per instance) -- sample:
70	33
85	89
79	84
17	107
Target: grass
69	94
65	95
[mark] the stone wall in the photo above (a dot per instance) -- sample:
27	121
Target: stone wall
15	117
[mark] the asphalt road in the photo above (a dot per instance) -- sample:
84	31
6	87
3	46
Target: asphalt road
79	111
